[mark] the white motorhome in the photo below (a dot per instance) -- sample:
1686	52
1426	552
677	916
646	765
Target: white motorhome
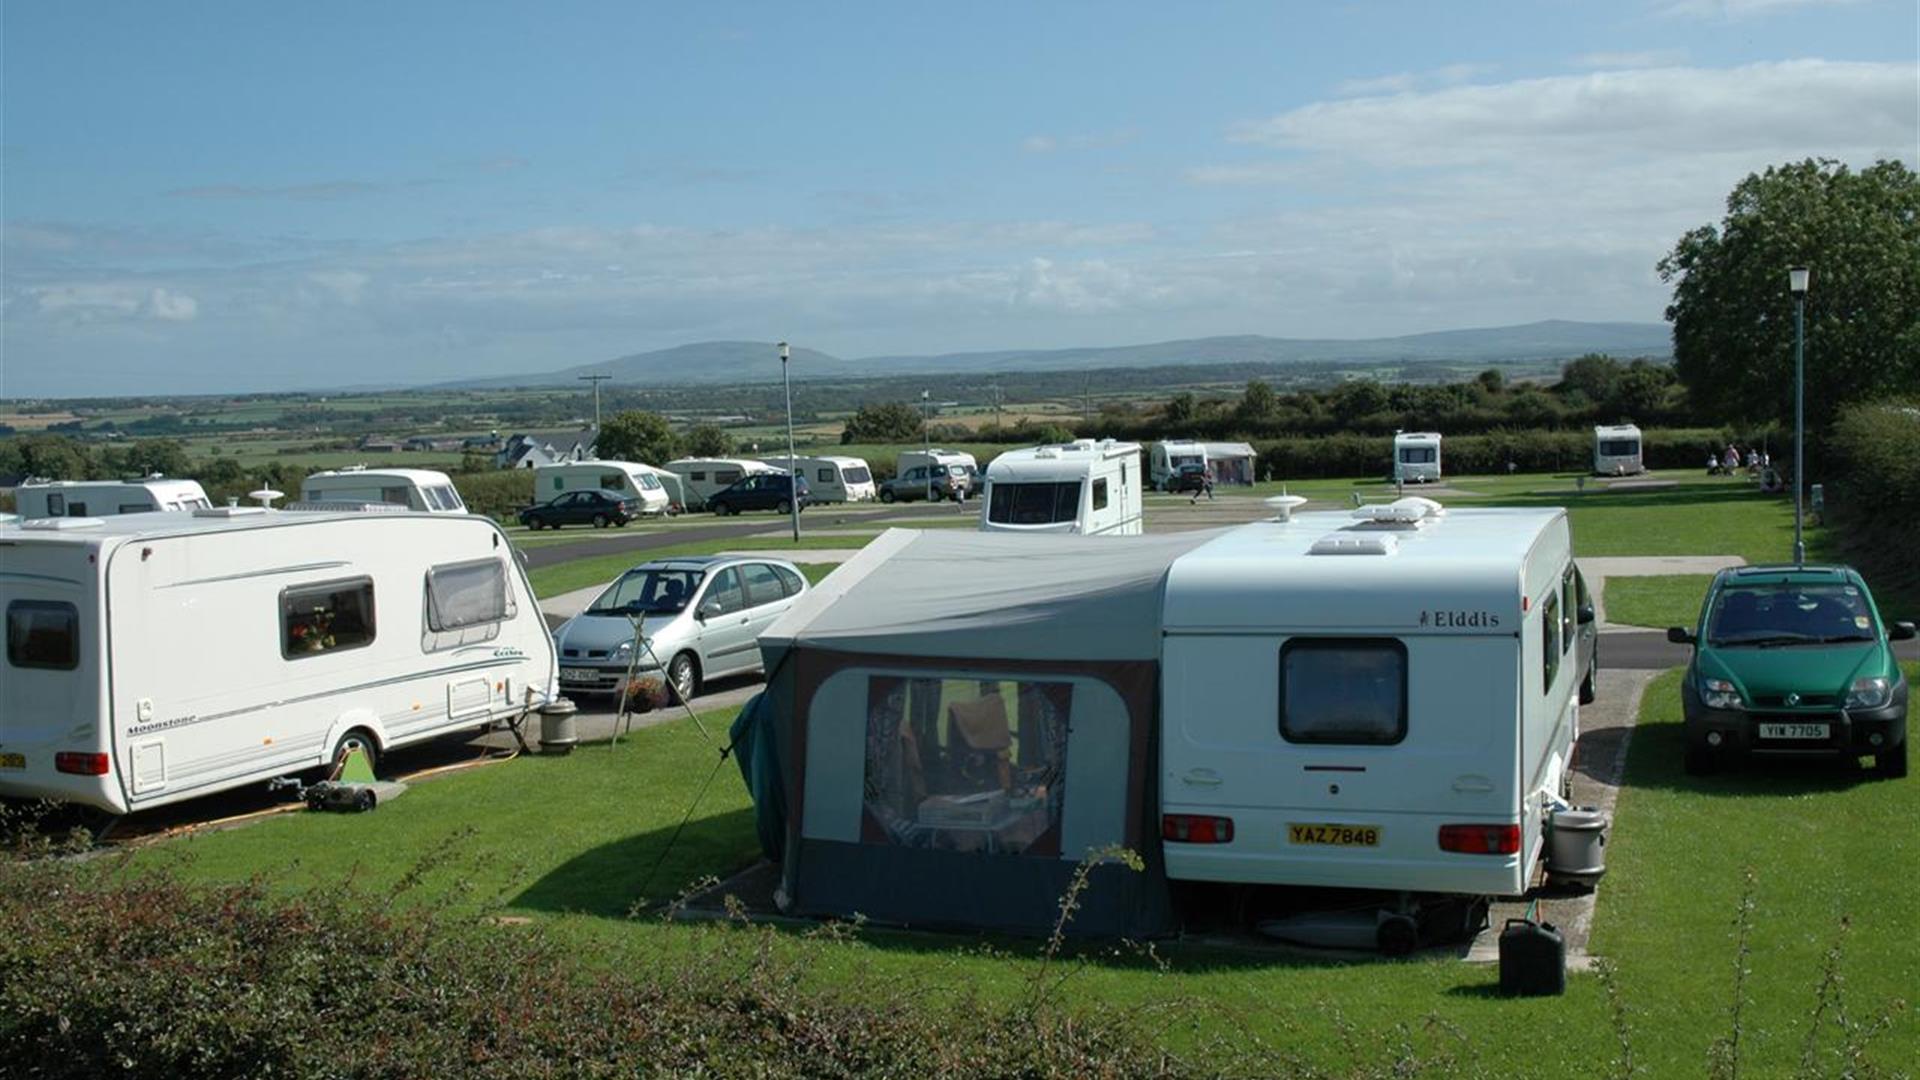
1165	459
628	479
102	498
1087	487
706	477
831	479
1617	450
1416	457
1378	701
156	657
426	490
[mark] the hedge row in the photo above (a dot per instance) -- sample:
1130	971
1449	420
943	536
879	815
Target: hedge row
1872	490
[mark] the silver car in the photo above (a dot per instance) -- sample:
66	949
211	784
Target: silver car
700	617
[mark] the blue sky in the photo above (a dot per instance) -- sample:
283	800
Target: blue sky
222	197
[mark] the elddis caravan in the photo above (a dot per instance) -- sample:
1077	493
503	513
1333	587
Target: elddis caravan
103	498
1087	487
706	477
426	490
156	657
1383	703
831	479
1416	457
628	479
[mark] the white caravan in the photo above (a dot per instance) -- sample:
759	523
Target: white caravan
156	657
627	479
936	458
426	490
1617	450
706	477
1382	700
831	479
1165	459
1087	487
1416	457
102	498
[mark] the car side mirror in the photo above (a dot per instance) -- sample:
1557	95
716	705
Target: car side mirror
1679	635
1902	631
707	610
1584	613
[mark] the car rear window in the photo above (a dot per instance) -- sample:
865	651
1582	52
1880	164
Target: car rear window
43	634
1343	690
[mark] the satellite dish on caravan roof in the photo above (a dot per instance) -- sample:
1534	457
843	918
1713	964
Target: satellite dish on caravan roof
265	496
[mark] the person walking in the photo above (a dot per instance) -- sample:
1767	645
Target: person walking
1206	487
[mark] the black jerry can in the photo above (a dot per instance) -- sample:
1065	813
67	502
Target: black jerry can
1533	959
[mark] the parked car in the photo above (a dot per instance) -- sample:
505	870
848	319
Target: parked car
1189	477
700	618
596	508
921	481
1793	660
762	491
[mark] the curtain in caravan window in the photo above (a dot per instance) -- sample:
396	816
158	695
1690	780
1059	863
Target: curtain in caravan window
467	594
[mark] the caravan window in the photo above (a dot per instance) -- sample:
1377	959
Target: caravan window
1550	647
135	508
398	496
75	509
1034	504
613	481
443	497
1418	455
856	474
726	476
647	481
1569	611
466	594
1619	447
1100	494
327	617
43	634
1343	690
966	764
56	505
697	475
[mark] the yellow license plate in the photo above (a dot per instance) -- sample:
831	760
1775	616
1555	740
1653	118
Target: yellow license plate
1334	835
13	761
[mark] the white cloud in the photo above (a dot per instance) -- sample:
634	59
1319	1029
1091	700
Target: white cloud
170	306
1407	81
1092	140
1739	9
1039	144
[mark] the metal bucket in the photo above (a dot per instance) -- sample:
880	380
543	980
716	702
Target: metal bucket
556	727
1576	845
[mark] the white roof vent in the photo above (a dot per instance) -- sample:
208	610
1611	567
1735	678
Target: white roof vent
228	511
60	524
1355	544
1412	510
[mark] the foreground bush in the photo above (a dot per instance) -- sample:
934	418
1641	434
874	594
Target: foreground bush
1873	494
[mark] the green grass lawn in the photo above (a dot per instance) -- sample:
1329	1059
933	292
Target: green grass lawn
572	841
1659	601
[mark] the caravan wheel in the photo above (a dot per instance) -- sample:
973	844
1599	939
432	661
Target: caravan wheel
357	739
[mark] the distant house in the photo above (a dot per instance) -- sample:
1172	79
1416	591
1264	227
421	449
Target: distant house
420	442
481	442
379	444
528	449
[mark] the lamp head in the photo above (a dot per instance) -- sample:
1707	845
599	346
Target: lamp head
1797	280
783	352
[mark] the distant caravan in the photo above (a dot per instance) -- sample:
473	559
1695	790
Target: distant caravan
1087	487
105	498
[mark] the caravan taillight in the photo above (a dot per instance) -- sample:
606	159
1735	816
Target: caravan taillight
1196	829
1480	839
80	764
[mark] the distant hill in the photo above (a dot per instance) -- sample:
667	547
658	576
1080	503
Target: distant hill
757	362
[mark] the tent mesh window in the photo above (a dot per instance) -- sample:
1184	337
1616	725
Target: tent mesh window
966	764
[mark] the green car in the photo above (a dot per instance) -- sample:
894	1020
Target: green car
1794	660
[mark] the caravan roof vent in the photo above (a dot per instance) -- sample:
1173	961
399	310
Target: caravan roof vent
58	524
228	511
1354	544
1412	510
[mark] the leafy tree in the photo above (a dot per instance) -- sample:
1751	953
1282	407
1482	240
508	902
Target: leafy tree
708	441
635	435
884	422
1258	401
1640	391
1180	409
1491	381
1595	376
1359	398
1859	232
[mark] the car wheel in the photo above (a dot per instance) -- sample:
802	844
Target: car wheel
357	739
1891	764
783	508
683	676
600	521
886	495
532	524
719	509
1700	761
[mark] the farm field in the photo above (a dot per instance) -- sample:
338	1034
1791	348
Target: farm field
1819	859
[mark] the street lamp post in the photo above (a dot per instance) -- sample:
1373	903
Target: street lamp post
596	380
926	441
1797	284
793	463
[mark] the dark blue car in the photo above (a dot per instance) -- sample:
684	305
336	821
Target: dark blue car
762	491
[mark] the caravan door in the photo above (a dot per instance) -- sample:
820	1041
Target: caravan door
1338	758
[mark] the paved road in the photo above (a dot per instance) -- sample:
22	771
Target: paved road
617	542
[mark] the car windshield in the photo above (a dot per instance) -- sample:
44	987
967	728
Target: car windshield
649	591
1789	613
